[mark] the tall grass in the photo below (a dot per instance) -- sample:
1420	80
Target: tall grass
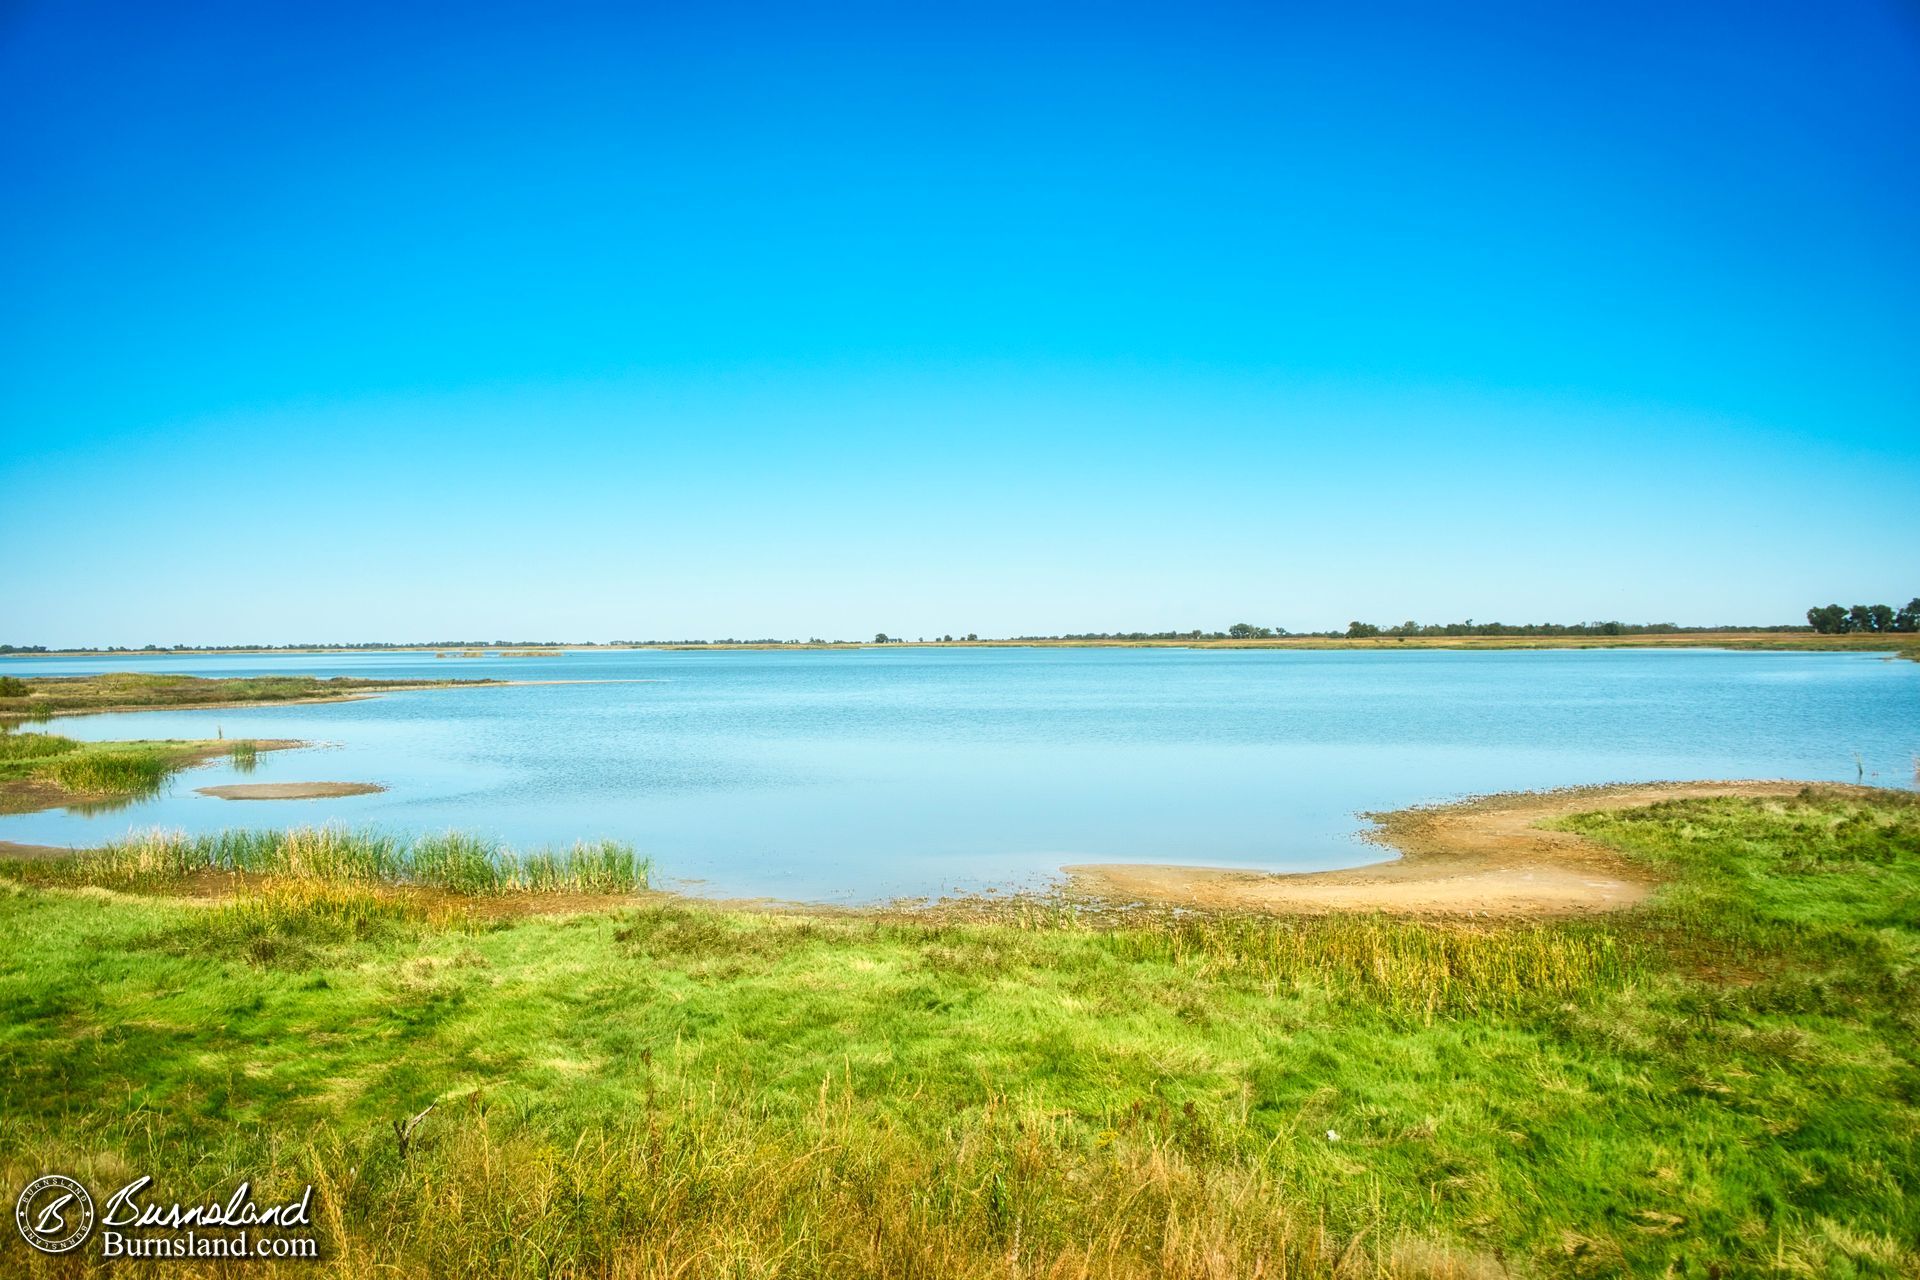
100	773
1409	967
687	1188
123	773
453	862
33	746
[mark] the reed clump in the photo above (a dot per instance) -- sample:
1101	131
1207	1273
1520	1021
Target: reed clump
126	772
453	862
16	748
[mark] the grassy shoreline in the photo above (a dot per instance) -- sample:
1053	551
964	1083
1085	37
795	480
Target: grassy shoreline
1725	1080
1902	644
43	697
47	771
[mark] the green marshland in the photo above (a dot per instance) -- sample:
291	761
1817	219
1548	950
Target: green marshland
1725	1081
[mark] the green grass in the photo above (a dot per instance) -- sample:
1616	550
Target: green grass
1723	1083
38	770
21	753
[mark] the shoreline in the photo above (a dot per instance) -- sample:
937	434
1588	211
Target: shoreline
351	695
19	796
1763	639
1486	857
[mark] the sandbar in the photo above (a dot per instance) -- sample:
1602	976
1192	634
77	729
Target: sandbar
1487	856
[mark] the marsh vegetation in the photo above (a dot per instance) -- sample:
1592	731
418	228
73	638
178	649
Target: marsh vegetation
1722	1082
452	862
42	770
42	696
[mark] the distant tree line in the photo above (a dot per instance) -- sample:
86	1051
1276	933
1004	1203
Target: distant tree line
1363	630
1832	620
1360	630
1239	631
1829	619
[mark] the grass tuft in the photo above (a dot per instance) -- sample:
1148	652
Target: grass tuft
125	773
17	747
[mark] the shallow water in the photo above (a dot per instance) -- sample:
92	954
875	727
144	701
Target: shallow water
868	774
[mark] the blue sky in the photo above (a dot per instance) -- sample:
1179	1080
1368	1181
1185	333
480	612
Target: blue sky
332	322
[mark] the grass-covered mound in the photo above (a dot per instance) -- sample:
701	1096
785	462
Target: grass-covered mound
1726	1082
41	770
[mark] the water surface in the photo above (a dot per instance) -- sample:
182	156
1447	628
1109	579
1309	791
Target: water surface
867	774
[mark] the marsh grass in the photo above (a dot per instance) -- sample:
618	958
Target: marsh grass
124	773
40	769
1722	1083
289	922
452	862
840	1191
1407	968
16	748
244	756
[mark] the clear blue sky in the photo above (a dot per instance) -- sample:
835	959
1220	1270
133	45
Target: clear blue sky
334	321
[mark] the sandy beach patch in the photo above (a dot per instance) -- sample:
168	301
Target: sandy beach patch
289	790
1481	857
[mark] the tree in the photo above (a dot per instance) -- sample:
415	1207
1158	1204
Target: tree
971	636
1881	616
1860	618
1908	619
881	638
1361	630
1247	631
1828	620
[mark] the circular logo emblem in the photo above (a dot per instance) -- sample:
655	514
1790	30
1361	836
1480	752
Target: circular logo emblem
54	1214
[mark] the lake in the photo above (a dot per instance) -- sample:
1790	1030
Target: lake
860	775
